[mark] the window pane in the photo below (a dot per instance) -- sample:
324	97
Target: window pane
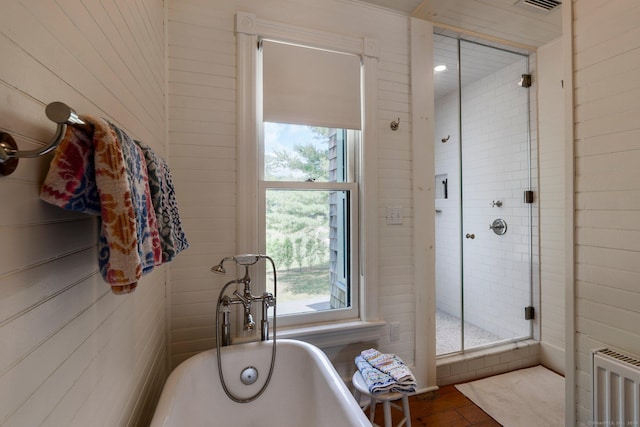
304	153
307	235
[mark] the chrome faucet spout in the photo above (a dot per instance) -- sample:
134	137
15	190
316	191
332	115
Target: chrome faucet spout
249	324
246	300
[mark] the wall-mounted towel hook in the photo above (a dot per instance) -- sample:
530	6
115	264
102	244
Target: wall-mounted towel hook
394	125
57	112
446	139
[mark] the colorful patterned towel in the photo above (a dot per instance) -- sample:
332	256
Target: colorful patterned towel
88	174
393	366
172	237
71	181
149	249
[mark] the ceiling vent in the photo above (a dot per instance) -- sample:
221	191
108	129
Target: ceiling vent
540	6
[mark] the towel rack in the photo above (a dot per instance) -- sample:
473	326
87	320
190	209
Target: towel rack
57	112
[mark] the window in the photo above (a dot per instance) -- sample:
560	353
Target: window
308	185
287	88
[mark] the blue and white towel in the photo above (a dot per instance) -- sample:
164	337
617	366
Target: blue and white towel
391	365
172	237
385	373
377	381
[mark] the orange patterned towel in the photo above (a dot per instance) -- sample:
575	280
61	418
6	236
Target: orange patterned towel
88	174
149	248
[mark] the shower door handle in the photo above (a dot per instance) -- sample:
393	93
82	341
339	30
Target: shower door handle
470	236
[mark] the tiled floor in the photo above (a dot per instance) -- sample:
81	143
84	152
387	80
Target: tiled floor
444	407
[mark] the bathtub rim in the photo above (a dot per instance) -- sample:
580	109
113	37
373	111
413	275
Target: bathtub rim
344	396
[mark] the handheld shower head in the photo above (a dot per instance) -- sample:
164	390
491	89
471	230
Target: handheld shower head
219	269
244	259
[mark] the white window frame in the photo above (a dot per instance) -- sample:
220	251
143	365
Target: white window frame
353	311
249	29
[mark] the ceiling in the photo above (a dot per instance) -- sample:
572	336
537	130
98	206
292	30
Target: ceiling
474	62
507	24
509	21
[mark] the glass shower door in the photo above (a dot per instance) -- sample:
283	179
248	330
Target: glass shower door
496	223
483	168
448	199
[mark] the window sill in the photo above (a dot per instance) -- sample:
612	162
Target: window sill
334	333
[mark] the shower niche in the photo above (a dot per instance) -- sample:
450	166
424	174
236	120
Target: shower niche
441	186
483	279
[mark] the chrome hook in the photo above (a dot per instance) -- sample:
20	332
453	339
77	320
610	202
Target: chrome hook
59	113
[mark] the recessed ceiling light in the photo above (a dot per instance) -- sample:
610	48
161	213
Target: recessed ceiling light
439	68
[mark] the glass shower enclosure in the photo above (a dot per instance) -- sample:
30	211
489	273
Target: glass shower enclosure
484	206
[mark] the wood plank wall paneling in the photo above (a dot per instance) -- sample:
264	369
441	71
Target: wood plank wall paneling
202	106
607	184
72	353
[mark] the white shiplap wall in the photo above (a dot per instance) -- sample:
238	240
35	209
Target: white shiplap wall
607	186
71	353
202	100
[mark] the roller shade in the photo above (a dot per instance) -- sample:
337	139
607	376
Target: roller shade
309	86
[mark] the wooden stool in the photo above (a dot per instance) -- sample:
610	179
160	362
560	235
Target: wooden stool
386	399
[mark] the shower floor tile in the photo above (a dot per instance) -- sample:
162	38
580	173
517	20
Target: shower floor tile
448	334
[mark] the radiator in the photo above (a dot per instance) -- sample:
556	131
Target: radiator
616	389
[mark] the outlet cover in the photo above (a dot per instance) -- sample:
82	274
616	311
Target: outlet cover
394	215
394	331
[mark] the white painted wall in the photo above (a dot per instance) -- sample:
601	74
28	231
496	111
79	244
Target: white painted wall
607	184
552	205
72	353
202	101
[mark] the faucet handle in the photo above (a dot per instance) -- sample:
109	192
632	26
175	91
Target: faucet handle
268	298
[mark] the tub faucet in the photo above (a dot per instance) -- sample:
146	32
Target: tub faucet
246	298
267	301
226	323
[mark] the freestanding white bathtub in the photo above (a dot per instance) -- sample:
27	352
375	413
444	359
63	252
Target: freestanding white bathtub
305	390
